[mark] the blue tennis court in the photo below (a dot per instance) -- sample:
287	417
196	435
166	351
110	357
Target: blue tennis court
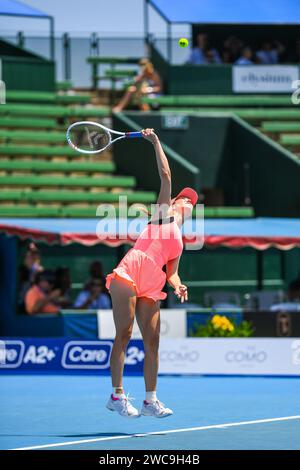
68	412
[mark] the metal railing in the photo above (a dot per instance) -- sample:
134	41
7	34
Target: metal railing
71	52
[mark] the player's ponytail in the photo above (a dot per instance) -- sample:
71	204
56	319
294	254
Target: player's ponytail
140	208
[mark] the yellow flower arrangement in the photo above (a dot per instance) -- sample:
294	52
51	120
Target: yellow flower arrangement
222	323
221	327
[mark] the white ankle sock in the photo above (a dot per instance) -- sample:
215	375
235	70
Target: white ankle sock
151	396
117	395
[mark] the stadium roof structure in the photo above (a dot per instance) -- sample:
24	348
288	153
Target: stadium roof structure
18	9
14	8
259	233
228	11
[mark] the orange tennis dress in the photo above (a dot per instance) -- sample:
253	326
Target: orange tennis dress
159	242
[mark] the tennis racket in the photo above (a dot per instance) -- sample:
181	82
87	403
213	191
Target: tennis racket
91	137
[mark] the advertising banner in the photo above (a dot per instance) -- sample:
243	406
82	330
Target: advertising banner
62	355
264	78
203	356
232	356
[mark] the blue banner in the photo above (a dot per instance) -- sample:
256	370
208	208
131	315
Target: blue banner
65	355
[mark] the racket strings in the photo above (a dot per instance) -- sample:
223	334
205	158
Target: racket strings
89	138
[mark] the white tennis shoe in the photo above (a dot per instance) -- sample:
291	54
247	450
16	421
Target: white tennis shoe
123	406
156	409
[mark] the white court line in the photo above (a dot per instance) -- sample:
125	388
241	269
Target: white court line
170	431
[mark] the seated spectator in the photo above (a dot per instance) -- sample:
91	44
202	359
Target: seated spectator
96	270
294	291
63	283
246	57
203	53
295	55
27	272
147	82
293	298
93	296
42	297
270	52
232	49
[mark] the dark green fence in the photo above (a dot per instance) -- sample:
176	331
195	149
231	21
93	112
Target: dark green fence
24	70
23	73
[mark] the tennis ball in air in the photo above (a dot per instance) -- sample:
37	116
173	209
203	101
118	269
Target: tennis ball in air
183	42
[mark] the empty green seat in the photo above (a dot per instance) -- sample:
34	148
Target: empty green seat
281	126
18	96
290	139
69	99
29	96
84	196
11	195
238	212
66	196
89	211
56	181
29	211
64	85
53	111
112	60
66	167
27	122
120	73
248	113
9	149
220	100
55	137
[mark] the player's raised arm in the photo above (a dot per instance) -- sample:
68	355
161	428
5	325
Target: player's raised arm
164	171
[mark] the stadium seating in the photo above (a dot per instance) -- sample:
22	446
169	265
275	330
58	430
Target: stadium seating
45	97
113	74
40	174
64	85
27	123
221	100
32	136
53	111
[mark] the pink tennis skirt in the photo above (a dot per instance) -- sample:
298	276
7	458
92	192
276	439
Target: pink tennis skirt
142	272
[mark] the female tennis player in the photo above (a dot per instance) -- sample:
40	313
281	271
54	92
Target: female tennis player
135	286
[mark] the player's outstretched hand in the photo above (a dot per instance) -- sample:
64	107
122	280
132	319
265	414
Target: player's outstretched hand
150	135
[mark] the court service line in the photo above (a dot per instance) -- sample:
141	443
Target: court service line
153	433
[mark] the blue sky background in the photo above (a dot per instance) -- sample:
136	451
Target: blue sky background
107	17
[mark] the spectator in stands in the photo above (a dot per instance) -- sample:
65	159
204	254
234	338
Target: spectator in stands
295	55
146	83
232	49
27	272
204	53
96	272
270	52
246	57
63	283
42	297
293	298
294	291
93	296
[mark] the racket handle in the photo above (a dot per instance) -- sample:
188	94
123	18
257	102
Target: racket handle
133	135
